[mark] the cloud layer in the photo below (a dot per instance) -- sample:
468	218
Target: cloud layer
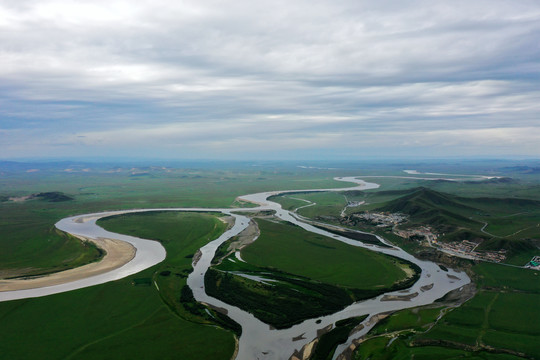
241	79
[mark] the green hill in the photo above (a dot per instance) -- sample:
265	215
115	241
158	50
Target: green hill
420	198
425	206
458	218
54	196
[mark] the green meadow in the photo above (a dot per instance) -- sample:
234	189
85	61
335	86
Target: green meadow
381	348
182	234
32	246
499	322
128	318
292	249
410	319
506	278
504	314
321	203
328	342
112	321
303	275
29	244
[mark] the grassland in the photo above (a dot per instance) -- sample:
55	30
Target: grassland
128	318
281	301
29	245
182	234
506	312
381	348
294	250
111	321
328	342
410	319
500	322
326	204
496	223
321	203
27	227
493	276
304	275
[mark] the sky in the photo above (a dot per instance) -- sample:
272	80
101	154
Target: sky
244	79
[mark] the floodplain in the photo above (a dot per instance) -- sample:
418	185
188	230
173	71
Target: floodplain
152	314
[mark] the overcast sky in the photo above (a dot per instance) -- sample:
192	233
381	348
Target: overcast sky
269	79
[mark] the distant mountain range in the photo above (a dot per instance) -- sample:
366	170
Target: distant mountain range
521	169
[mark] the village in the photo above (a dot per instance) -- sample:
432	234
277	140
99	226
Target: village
465	248
382	219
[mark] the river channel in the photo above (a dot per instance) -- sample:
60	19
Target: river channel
258	340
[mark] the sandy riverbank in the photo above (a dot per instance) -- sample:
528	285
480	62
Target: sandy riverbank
118	253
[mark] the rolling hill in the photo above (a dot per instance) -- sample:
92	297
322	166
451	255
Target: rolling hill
458	218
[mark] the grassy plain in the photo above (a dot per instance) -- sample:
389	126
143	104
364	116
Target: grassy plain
111	321
124	320
289	202
304	275
27	226
296	251
380	348
506	278
500	320
502	317
30	245
321	203
182	234
128	318
281	301
409	319
328	342
326	203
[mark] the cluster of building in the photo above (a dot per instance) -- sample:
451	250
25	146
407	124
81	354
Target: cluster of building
534	263
467	249
465	246
382	219
420	233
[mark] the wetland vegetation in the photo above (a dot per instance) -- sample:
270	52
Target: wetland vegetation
131	316
499	322
301	275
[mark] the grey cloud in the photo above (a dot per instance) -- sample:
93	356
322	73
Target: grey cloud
269	72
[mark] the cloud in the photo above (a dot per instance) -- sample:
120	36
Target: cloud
222	78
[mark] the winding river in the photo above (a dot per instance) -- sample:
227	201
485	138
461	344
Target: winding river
258	340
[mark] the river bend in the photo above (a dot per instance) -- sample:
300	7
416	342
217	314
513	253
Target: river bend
258	340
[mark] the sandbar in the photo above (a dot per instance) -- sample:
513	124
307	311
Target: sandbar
117	254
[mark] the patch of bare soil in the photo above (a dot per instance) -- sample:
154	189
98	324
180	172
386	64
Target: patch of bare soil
246	237
399	297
